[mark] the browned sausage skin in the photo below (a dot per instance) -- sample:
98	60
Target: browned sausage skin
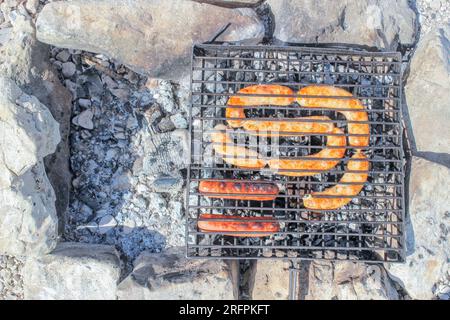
344	192
242	101
359	113
314	166
238	226
239	190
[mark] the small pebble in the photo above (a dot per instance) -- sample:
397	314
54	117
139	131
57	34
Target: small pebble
84	119
68	69
63	56
84	103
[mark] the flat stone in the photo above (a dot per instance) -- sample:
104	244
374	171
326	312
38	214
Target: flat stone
428	92
171	276
63	56
114	26
84	119
427	227
375	23
270	280
343	280
73	271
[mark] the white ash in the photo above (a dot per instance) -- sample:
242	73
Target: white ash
121	197
432	14
11	281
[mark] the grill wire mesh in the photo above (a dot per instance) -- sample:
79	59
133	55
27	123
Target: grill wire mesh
370	227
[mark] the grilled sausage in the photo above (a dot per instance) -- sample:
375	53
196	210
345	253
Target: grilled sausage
232	154
347	191
256	100
333	103
238	190
243	226
319	165
289	128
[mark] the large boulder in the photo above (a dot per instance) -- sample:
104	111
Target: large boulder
73	271
427	227
153	37
170	276
375	23
428	92
28	221
25	60
344	280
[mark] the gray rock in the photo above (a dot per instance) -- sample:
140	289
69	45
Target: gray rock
344	280
428	92
147	26
84	119
28	222
171	276
63	56
375	23
73	271
427	228
25	60
68	69
167	183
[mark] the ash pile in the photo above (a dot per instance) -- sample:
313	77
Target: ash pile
128	142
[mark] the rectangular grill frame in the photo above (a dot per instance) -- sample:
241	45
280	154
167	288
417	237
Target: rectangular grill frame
216	246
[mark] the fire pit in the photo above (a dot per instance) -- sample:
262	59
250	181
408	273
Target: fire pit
370	226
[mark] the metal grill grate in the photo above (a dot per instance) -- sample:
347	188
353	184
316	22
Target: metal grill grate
370	227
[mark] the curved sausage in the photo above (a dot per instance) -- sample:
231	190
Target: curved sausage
319	165
232	154
238	190
255	100
289	128
246	225
348	191
353	128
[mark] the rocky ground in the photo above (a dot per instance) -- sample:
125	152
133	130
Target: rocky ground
128	142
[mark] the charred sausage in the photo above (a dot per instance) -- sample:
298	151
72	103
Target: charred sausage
238	190
238	226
